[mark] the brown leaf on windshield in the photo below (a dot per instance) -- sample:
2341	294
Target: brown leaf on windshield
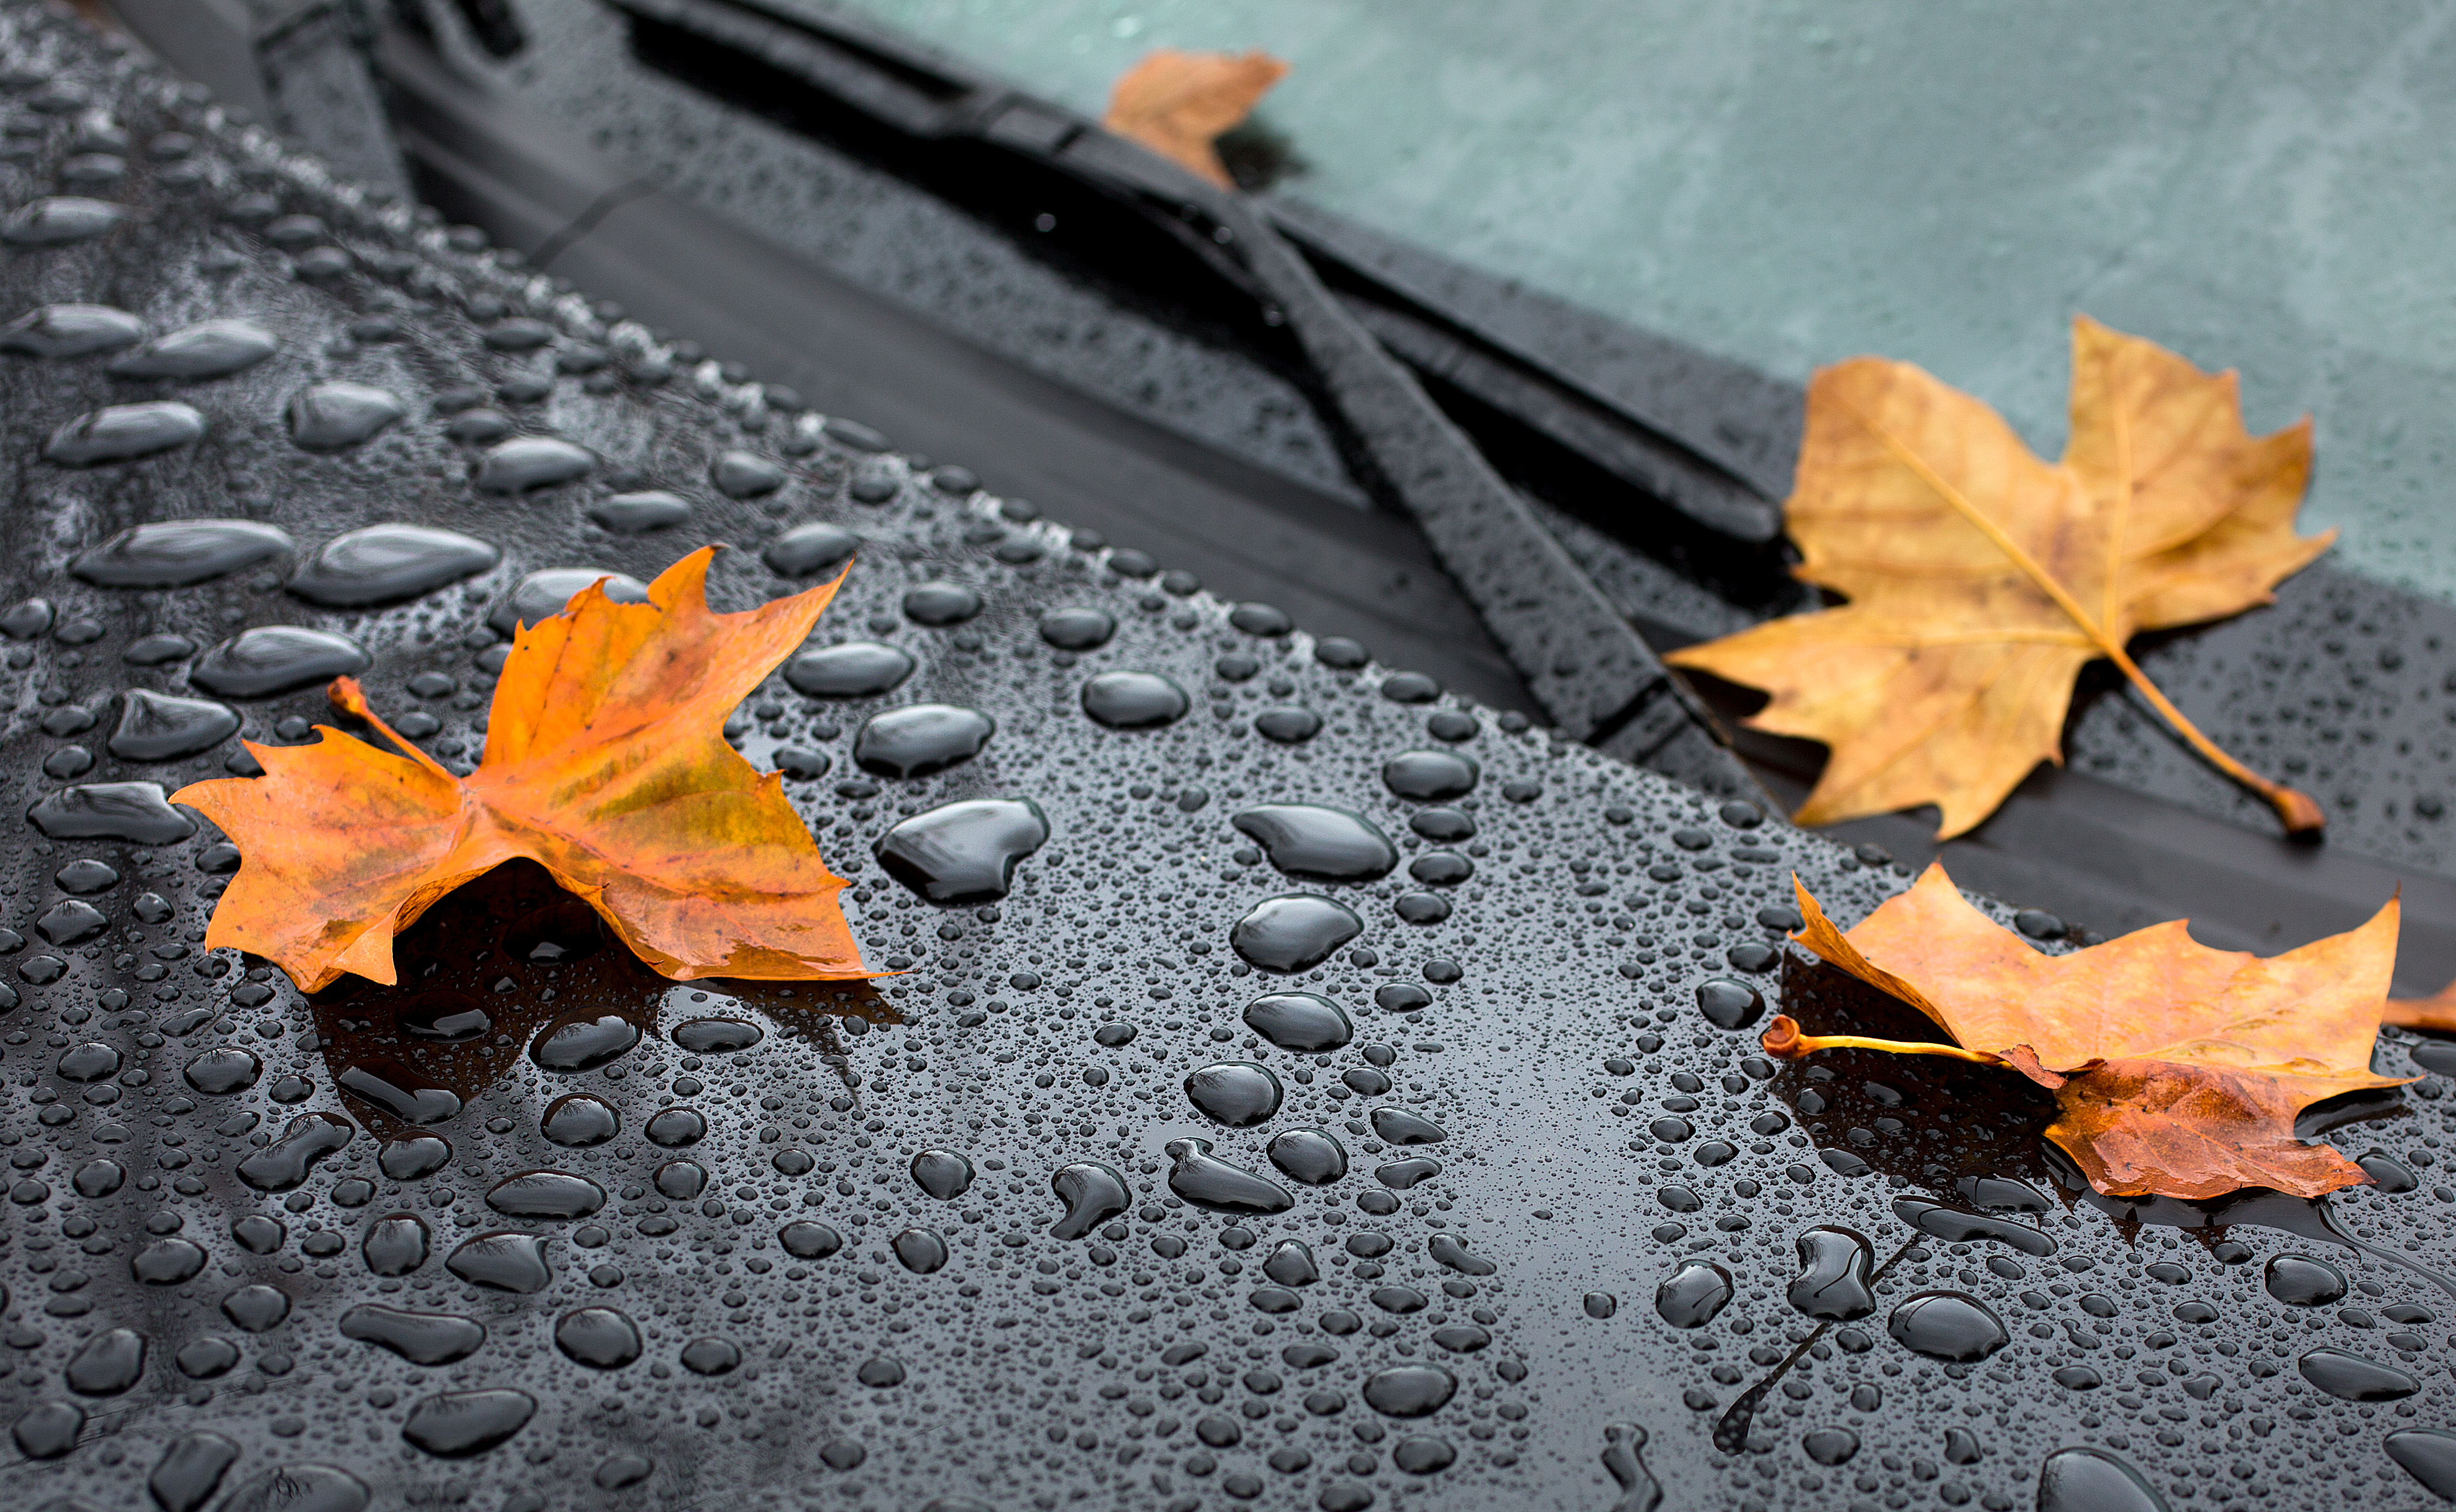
1179	103
1982	580
2177	1070
606	762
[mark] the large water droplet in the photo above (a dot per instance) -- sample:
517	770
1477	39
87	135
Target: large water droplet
1134	700
1832	1283
395	1244
2428	1454
919	1250
389	563
58	332
806	550
174	553
1305	840
920	739
939	604
545	594
1691	1296
600	1338
2093	1481
1305	1022
185	1476
1728	1004
159	728
1093	1192
943	1173
208	349
140	813
422	1338
546	1195
282	1165
336	416
717	1037
963	852
1207	1182
526	462
108	1363
1956	1227
2344	1373
504	1260
124	433
636	514
854	669
1309	1155
399	1089
271	660
1409	1391
222	1070
1078	629
578	1121
584	1044
299	1488
1236	1092
1430	776
1294	932
2299	1280
455	1425
59	219
1947	1325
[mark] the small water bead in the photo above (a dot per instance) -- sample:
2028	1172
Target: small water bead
809	550
1078	629
921	1251
525	464
578	1120
59	332
546	1195
456	1425
2083	1480
963	852
544	594
1834	1266
2349	1377
600	1338
939	604
208	349
636	514
584	1044
1692	1295
388	564
1730	1005
2299	1280
1329	845
1134	700
1430	776
1314	1156
1092	1194
478	427
125	433
1947	1325
336	415
175	554
395	1244
422	1338
1287	725
1293	932
920	739
399	1089
946	1174
271	660
1201	1179
854	669
518	333
1304	1022
1237	1094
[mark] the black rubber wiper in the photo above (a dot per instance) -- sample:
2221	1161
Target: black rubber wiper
1586	665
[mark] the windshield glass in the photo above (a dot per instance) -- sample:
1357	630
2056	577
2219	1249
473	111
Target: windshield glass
2258	187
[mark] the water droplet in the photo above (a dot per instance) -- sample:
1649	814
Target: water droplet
422	1338
189	1470
1832	1283
1692	1295
804	1239
282	1165
2093	1481
444	1017
600	1338
506	1261
140	813
455	1425
1409	1391
578	1120
637	514
546	1195
173	554
674	1128
544	594
745	475
157	726
920	739
1946	1325
58	220
387	563
413	1156
1134	700
395	1244
2344	1373
275	659
854	669
920	1251
1956	1227
1288	726
59	332
1093	1192
258	1308
939	604
1401	1174
1305	1022
1399	1127
880	1372
527	462
1078	629
1305	840
208	349
943	1173
336	416
125	433
399	1089
1293	932
963	852
584	1044
108	1363
1207	1182
1830	1446
806	550
167	1263
2298	1281
1237	1093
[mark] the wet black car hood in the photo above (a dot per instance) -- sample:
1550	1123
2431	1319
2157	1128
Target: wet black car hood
1299	1086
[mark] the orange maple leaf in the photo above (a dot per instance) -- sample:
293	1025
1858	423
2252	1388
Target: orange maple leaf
2177	1070
1177	103
1982	580
606	762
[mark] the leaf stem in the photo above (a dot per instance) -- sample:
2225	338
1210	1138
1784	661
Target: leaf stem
2298	811
351	698
1783	1040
